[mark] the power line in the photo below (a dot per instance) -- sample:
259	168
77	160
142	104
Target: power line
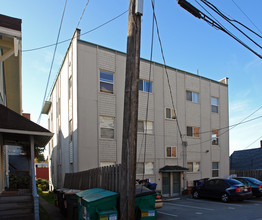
199	14
233	126
147	106
87	32
168	81
61	22
82	14
246	16
216	10
253	142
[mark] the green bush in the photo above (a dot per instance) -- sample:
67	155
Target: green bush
42	184
19	181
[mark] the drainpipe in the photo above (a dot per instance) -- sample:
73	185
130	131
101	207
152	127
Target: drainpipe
34	191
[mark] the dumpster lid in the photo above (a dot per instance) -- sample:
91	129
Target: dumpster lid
95	194
71	191
143	191
88	192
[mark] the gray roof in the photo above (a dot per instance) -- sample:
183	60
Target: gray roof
246	159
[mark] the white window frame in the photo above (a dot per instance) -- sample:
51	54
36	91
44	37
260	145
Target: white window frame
215	169
193	96
109	82
195	167
146	127
214	137
107	127
147	166
214	104
172	113
171	152
193	131
144	85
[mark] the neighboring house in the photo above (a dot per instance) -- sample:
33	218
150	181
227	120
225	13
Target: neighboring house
246	159
85	111
42	171
16	130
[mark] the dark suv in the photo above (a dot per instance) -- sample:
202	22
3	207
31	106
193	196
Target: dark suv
224	189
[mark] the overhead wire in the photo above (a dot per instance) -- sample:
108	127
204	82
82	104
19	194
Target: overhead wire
165	67
246	16
253	143
87	32
147	105
216	10
52	62
80	19
219	26
233	126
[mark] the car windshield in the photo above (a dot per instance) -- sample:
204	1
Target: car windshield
233	182
242	181
253	180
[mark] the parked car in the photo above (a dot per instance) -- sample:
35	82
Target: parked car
224	189
256	185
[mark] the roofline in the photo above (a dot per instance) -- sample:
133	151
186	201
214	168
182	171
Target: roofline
146	60
38	133
124	54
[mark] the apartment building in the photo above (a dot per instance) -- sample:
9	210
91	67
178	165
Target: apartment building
176	144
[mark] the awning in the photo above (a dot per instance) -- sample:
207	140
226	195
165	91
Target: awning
17	129
172	169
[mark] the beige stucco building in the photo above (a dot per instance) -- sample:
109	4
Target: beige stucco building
85	111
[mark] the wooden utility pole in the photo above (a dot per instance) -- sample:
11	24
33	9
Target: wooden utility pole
129	138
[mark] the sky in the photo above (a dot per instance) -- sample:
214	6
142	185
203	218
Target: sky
189	44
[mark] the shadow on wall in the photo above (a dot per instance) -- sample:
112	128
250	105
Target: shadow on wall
62	159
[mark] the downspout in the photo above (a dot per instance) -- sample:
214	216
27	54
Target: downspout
34	191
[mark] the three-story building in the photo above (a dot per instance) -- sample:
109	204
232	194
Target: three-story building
85	111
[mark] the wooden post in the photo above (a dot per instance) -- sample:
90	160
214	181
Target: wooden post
129	139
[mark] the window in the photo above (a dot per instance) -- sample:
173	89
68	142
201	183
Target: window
148	166
70	98
192	131
171	152
145	86
214	137
214	104
170	113
145	127
106	81
70	131
107	127
215	169
192	96
193	166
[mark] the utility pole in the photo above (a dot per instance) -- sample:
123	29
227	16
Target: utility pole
129	138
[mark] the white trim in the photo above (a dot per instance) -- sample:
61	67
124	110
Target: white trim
39	133
10	32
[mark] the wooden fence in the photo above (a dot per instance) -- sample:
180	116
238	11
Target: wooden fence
250	173
102	177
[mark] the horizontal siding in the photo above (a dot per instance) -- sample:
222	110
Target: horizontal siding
106	60
106	104
107	150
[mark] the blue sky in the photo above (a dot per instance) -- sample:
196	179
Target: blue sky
189	44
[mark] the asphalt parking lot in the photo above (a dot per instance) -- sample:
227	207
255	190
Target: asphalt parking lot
188	208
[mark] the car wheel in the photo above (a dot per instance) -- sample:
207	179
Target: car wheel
225	197
195	195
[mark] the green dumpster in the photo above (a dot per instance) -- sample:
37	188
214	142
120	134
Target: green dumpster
145	203
97	204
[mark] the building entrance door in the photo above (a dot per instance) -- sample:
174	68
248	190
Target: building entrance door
166	184
176	183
